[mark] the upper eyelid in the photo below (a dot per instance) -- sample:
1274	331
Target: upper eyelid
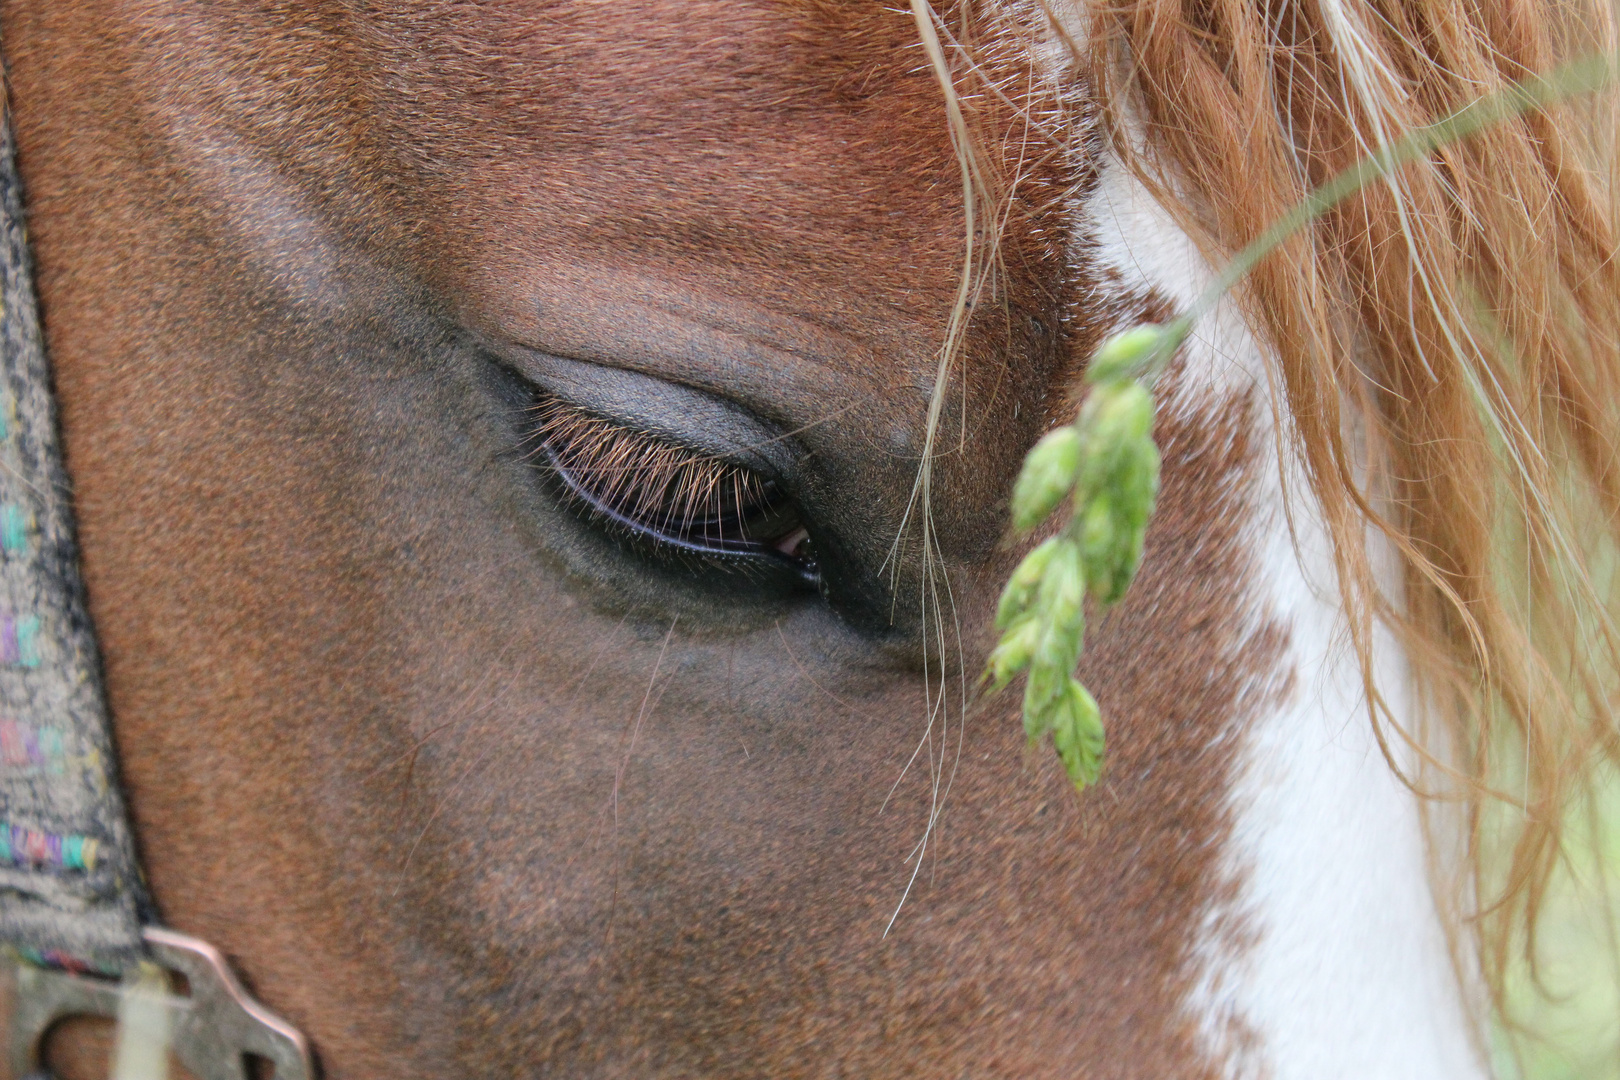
553	414
664	410
653	441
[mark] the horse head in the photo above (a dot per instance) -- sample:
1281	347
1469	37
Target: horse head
496	433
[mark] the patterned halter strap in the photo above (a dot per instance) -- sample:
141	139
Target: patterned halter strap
70	891
74	913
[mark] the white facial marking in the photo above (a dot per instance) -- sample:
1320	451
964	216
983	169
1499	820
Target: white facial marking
1331	962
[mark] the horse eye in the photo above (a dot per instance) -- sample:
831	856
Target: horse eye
669	496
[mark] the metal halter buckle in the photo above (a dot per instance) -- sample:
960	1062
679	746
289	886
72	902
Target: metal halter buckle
212	1029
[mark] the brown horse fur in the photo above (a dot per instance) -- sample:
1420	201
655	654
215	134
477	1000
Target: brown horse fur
463	787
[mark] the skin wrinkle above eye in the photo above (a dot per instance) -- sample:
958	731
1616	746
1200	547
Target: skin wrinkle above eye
729	347
597	289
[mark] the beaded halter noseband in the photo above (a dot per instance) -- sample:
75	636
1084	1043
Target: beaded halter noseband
73	908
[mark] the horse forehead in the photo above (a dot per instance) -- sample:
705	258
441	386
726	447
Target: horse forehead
581	176
834	93
616	65
714	45
800	116
784	155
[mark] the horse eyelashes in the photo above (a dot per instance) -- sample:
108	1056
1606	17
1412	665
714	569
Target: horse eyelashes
661	492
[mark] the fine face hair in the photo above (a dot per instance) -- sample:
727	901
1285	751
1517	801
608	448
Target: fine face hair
496	433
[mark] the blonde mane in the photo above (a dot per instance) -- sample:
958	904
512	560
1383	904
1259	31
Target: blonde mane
1446	351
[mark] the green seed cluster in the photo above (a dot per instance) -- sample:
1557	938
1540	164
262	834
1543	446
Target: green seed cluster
1107	461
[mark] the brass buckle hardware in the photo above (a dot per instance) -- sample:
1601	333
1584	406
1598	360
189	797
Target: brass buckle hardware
212	1030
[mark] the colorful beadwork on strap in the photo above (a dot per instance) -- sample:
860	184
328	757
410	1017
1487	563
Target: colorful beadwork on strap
16	524
24	747
19	641
21	846
55	958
